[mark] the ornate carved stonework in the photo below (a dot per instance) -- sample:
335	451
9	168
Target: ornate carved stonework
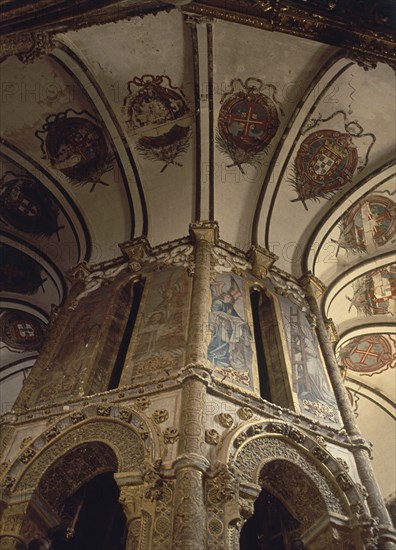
225	419
212	437
124	440
262	260
251	458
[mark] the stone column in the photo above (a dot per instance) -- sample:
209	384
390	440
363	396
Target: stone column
189	521
387	535
11	527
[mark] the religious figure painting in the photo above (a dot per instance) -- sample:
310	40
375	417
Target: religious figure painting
310	382
230	345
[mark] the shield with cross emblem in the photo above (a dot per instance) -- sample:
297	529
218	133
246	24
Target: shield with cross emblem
368	354
248	120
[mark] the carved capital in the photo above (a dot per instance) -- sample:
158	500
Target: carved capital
331	331
137	252
312	285
262	260
204	231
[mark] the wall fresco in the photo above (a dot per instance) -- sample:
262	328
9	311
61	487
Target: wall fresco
310	382
368	354
370	222
161	336
230	346
375	292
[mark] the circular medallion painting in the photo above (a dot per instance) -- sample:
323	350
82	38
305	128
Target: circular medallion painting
21	331
368	354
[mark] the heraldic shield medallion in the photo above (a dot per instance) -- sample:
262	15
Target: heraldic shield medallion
368	354
248	120
27	205
327	159
76	146
325	162
21	331
158	113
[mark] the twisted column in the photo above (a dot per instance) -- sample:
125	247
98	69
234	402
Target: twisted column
387	535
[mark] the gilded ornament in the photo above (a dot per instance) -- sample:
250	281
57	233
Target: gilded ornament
103	411
344	482
51	433
240	439
25	441
142	403
212	437
171	435
160	415
77	417
320	454
125	415
245	413
343	463
8	482
225	420
27	455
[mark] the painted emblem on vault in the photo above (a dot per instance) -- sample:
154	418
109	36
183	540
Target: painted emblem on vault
19	272
158	113
368	354
76	146
375	292
248	120
21	331
27	205
325	162
327	159
370	222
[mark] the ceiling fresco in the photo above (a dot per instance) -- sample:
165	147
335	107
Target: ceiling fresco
143	125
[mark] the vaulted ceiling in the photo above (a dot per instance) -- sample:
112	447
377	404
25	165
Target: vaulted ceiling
276	122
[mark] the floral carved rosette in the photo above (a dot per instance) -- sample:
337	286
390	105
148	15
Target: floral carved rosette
158	113
327	160
248	120
76	146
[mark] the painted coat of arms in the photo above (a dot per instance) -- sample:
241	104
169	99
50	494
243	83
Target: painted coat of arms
158	112
371	221
327	160
248	120
368	354
76	146
27	205
21	331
